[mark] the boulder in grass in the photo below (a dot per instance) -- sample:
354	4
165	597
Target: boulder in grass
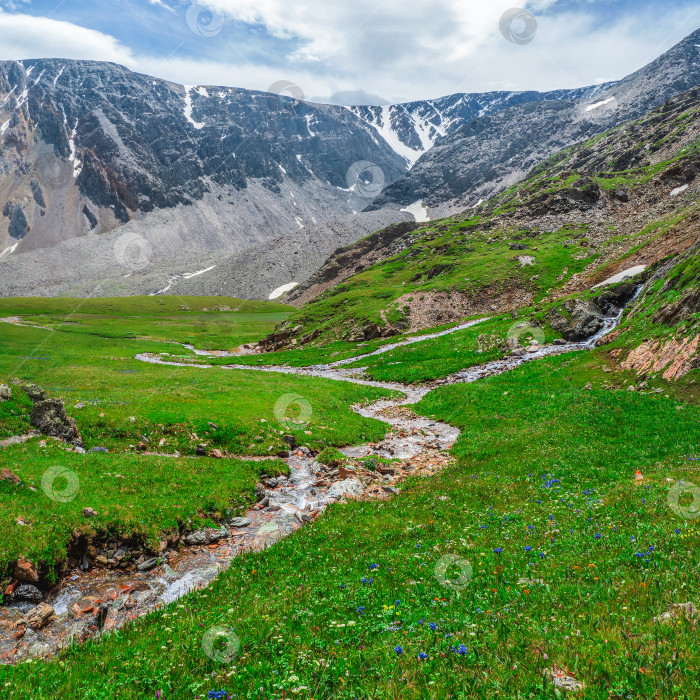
34	392
7	475
5	393
49	417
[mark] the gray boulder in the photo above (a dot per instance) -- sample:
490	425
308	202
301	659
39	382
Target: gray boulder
49	417
34	392
349	488
5	393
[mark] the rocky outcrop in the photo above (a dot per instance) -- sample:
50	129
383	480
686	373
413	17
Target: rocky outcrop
675	358
5	393
579	319
674	313
492	151
49	417
34	392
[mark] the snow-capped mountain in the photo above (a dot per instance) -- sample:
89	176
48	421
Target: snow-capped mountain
492	149
115	183
412	128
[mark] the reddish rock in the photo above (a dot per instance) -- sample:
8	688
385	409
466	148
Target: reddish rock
677	357
7	475
346	473
216	454
25	571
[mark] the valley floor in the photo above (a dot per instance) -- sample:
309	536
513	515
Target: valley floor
529	562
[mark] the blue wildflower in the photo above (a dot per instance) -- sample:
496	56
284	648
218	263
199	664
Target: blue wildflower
433	626
398	650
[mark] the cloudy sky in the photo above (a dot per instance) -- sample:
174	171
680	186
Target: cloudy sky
356	51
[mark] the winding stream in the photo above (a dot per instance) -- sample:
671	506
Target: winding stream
421	444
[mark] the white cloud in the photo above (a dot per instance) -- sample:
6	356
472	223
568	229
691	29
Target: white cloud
408	50
24	36
393	49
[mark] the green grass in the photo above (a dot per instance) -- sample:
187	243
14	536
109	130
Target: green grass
570	559
440	357
470	264
104	387
207	323
136	497
541	464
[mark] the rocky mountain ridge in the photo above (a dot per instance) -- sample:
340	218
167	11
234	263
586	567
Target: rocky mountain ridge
623	200
492	152
118	183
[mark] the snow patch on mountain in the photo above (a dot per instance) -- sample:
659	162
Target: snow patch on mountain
188	107
418	212
282	290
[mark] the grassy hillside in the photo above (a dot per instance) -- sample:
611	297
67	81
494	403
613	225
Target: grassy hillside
625	198
568	562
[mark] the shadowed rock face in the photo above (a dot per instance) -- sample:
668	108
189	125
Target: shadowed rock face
586	318
87	147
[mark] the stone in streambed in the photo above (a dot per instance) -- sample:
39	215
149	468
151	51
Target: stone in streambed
351	488
197	537
28	592
148	564
239	522
39	617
